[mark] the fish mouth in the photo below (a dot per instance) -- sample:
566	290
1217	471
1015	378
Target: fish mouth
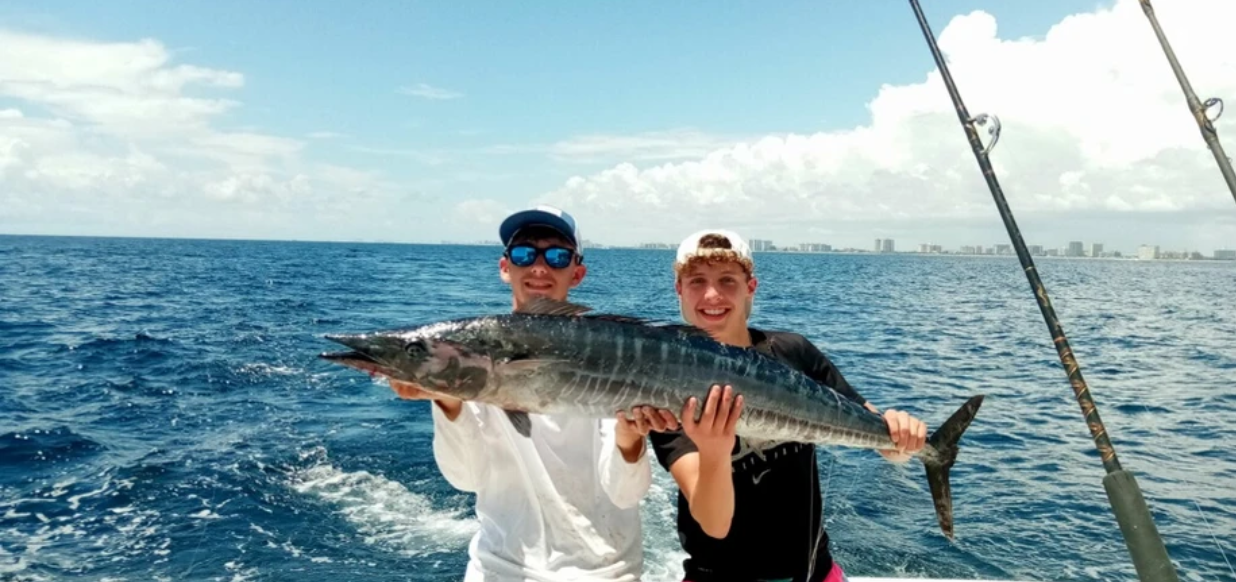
357	360
358	357
359	343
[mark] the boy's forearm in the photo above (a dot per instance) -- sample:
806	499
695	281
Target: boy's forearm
631	446
712	502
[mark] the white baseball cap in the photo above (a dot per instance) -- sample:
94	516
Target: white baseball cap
691	245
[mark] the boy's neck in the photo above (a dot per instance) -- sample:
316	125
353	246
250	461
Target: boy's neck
740	338
516	305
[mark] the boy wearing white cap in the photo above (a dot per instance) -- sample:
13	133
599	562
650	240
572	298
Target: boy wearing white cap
563	503
746	513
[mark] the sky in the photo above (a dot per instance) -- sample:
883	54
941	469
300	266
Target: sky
797	121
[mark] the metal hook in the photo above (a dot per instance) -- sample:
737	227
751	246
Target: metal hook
1211	103
993	131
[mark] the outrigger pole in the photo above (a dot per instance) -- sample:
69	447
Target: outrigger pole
1200	111
1140	535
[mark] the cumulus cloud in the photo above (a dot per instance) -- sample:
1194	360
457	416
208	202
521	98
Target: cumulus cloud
1094	124
123	87
117	132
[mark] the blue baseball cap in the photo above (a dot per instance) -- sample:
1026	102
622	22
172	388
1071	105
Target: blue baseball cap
547	216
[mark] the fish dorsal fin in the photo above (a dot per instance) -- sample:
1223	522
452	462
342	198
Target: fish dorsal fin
684	328
691	330
547	306
616	318
706	338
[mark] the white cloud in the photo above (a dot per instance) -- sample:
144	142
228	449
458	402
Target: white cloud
675	144
1095	132
485	212
430	92
324	135
115	137
605	148
128	88
255	187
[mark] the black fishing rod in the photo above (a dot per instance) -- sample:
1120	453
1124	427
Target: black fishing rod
1200	111
1140	535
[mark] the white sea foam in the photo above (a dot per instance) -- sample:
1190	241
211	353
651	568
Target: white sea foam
663	555
386	513
264	369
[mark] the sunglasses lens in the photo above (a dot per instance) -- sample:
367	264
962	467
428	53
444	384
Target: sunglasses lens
558	257
523	255
555	257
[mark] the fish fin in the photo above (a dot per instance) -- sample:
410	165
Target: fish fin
519	419
685	328
692	331
614	317
944	441
546	306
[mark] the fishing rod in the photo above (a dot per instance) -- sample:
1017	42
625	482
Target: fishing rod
1140	535
1200	111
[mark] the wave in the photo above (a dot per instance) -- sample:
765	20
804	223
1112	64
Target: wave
385	512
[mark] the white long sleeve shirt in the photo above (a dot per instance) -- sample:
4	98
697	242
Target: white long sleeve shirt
561	505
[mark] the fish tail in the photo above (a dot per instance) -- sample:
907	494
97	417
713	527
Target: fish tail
944	443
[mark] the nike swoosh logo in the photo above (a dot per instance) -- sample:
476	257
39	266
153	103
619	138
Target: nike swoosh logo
756	479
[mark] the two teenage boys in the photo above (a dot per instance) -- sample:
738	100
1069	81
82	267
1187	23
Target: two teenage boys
564	504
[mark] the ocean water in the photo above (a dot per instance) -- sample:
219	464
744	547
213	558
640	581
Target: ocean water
163	415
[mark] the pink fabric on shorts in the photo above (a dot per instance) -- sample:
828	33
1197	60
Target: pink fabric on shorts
835	574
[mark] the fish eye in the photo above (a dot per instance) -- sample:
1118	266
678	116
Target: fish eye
415	347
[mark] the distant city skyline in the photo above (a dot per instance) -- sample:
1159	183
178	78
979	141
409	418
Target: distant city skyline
1071	249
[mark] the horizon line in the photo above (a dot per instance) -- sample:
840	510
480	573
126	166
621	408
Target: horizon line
600	246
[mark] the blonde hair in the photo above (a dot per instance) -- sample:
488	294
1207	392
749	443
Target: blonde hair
713	249
713	257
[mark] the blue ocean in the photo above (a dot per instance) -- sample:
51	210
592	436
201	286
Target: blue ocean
163	414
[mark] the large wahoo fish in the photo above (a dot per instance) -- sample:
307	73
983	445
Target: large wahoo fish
553	358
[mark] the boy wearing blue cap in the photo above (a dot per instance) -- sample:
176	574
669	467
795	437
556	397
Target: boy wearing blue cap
562	504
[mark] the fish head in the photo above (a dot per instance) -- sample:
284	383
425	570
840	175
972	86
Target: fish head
435	363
